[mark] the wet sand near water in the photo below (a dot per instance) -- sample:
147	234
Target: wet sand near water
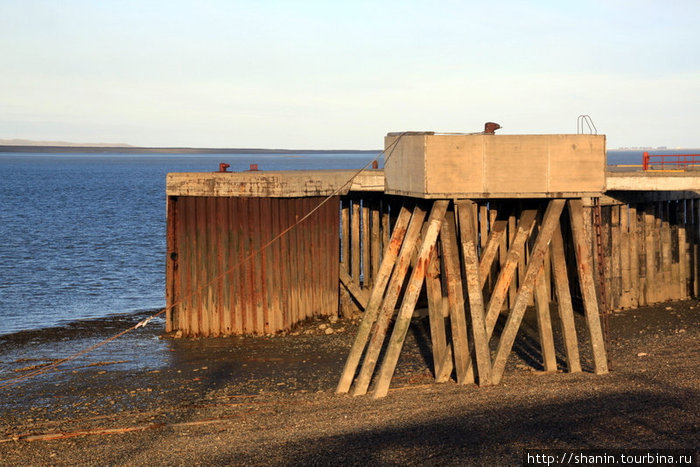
143	400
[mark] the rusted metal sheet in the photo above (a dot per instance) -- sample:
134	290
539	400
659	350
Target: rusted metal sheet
224	277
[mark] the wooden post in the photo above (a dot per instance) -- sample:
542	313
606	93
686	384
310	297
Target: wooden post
490	250
483	225
359	294
375	299
476	299
512	229
455	298
355	240
696	249
544	323
650	246
386	311
695	254
366	249
683	255
386	206
346	307
616	259
625	260
534	267
376	242
585	274
413	288
633	241
666	259
566	310
442	351
500	289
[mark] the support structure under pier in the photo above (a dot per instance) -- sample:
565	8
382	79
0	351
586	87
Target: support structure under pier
443	251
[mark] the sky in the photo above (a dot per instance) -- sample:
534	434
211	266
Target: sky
340	74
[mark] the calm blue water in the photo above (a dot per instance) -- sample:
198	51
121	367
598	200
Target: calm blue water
83	236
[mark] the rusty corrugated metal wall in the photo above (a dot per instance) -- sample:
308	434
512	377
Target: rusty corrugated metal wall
214	288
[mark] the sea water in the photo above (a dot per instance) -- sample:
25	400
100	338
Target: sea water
83	235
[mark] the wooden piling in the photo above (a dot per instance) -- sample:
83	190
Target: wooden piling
366	248
355	243
584	261
505	278
565	308
377	294
442	350
470	260
375	242
534	266
386	311
412	290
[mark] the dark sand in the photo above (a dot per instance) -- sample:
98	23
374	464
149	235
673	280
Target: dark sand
270	400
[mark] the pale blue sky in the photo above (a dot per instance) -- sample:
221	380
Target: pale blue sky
325	74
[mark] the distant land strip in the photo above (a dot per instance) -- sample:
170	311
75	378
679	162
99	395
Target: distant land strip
146	150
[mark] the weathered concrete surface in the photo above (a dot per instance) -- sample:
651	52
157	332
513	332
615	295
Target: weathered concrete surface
488	166
653	181
275	184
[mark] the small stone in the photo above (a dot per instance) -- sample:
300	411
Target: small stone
322	326
178	335
333	319
681	331
329	331
341	329
669	308
642	354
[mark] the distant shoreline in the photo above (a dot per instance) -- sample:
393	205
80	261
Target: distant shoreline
149	150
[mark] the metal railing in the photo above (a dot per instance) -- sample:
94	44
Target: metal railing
670	161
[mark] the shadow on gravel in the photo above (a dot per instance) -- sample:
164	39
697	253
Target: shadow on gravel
641	419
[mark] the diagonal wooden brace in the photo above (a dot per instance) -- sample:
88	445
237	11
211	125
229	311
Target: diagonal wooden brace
535	264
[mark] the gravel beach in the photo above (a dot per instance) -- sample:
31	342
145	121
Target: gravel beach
147	400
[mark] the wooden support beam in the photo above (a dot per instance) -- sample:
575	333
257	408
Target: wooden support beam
534	266
413	288
488	253
442	350
355	244
666	263
366	249
625	258
376	241
696	249
383	318
474	289
455	298
500	290
650	249
357	292
544	324
634	239
585	274
615	252
682	219
375	299
566	310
